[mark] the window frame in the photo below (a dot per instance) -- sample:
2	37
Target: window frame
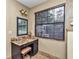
52	23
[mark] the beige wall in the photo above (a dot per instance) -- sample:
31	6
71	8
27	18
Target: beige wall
69	13
53	47
12	9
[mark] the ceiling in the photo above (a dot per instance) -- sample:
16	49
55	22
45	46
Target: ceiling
31	3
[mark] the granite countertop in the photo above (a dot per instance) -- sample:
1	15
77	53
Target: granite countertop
23	41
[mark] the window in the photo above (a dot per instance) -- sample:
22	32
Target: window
50	23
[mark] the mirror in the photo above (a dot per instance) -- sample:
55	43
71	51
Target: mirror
22	26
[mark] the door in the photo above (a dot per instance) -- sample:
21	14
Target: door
69	45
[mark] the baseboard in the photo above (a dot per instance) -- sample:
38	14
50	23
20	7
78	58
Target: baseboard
48	55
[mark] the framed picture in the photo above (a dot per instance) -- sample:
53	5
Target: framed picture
22	26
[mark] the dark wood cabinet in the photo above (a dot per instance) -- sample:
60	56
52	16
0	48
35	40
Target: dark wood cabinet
16	49
35	47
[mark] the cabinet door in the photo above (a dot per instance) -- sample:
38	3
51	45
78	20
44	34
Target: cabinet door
35	47
69	45
15	51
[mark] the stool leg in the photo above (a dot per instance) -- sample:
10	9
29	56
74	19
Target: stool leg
30	54
30	57
22	56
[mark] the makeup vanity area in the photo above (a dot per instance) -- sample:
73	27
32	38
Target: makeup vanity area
17	46
23	40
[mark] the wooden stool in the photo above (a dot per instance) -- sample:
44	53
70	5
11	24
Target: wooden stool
25	51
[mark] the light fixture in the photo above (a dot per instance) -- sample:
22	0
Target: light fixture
23	12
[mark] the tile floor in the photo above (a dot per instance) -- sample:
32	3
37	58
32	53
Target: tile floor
41	56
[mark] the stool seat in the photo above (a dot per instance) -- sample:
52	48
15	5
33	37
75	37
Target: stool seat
26	50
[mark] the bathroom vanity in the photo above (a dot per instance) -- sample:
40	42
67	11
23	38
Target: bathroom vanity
17	46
